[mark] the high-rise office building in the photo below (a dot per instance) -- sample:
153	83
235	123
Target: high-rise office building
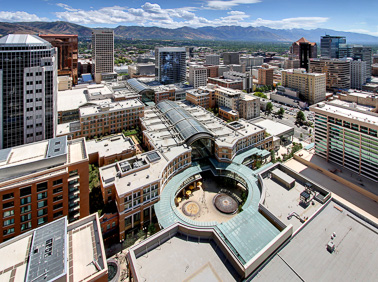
312	86
347	136
28	89
330	45
346	50
337	72
197	76
212	59
295	48
230	58
170	64
357	74
364	54
67	59
102	53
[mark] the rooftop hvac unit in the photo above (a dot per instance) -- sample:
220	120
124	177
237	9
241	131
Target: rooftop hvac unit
330	247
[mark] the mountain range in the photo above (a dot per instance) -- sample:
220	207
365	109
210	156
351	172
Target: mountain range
227	33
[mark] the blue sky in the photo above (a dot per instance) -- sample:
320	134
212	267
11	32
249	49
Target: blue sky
344	15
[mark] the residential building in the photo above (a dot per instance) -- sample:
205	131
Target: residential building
357	74
67	56
57	251
337	72
265	75
246	78
41	182
135	184
102	53
110	149
212	59
29	89
330	46
204	96
103	119
230	58
227	97
249	106
170	66
197	76
364	54
348	137
312	86
297	50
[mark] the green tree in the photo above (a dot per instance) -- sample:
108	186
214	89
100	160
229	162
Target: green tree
272	156
269	108
281	111
151	229
301	118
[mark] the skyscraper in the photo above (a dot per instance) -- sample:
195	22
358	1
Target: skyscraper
170	64
296	50
330	46
67	45
364	54
357	74
102	53
28	89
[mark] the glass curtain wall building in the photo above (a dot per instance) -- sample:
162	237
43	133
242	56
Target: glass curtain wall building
28	89
170	66
330	46
348	138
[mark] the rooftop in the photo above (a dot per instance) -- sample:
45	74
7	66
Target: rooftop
110	107
306	258
23	39
110	145
272	127
55	250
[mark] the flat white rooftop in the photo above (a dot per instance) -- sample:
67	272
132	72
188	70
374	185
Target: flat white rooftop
274	128
110	145
110	107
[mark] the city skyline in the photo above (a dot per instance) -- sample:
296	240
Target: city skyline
174	14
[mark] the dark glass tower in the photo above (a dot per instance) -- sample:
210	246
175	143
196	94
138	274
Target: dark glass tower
170	66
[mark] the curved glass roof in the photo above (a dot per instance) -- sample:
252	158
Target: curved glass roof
137	85
186	125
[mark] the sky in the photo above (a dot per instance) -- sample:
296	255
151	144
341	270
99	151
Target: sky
343	15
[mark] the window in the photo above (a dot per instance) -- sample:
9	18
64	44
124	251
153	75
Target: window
26	226
8	205
42	195
137	217
127	221
41	186
42	212
57	214
8	213
26	217
42	204
58	190
8	231
58	198
26	209
113	224
57	182
42	220
8	222
25	200
108	227
8	196
58	206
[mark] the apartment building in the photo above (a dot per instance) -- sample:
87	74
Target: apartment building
42	182
204	96
337	72
227	97
102	53
265	75
246	78
28	79
348	137
103	119
197	76
212	59
67	55
311	85
57	251
135	184
249	106
357	74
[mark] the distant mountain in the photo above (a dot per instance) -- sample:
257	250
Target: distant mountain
237	33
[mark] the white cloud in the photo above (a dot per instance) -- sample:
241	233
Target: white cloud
289	23
19	16
227	4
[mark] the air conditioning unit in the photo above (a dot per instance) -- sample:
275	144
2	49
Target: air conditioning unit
330	247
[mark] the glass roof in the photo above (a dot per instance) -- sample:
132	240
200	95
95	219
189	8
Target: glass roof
137	85
185	124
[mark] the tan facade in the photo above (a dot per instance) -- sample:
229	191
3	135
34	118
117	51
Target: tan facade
249	107
228	114
204	97
337	72
227	97
197	76
311	85
265	76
